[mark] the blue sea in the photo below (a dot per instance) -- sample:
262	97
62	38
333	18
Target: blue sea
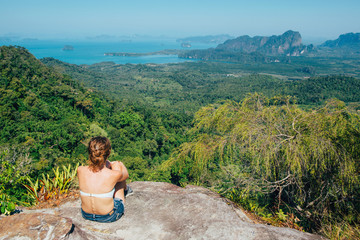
90	52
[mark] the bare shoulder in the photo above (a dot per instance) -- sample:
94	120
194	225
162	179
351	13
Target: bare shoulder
81	169
115	172
117	165
112	175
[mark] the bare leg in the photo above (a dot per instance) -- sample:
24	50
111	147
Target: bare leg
119	190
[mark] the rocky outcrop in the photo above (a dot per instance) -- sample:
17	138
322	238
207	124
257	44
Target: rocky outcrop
154	211
257	49
35	226
289	43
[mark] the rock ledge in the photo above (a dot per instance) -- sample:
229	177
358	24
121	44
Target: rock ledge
154	211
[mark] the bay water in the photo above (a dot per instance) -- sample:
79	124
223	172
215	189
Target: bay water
90	52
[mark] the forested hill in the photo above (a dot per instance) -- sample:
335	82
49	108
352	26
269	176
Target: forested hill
46	119
43	113
346	45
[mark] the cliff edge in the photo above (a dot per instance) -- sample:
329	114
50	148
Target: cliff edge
154	211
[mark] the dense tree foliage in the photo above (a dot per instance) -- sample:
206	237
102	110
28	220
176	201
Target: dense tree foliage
184	88
319	89
55	115
303	162
46	120
223	55
40	108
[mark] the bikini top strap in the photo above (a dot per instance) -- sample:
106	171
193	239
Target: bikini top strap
99	195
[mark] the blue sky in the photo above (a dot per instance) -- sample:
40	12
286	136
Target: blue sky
80	18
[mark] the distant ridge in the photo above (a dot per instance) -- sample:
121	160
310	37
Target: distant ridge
347	40
247	49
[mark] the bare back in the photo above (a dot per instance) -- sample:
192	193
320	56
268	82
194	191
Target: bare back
99	182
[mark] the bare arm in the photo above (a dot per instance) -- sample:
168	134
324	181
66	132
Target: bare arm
119	166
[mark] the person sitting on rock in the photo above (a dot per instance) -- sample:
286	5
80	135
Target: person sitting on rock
102	184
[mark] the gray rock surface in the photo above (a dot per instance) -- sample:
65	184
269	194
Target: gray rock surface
154	211
35	226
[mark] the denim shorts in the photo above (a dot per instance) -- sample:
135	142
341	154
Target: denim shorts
112	216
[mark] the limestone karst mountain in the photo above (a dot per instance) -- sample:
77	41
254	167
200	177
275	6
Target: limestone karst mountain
247	49
289	43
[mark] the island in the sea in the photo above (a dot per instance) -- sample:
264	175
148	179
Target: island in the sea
186	45
162	52
68	48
